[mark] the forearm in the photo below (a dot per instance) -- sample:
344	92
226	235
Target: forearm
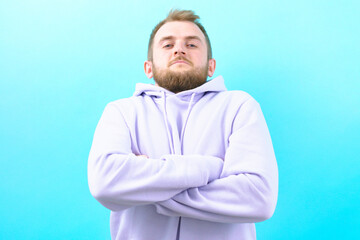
119	181
238	198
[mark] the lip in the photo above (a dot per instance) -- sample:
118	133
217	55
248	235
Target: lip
180	61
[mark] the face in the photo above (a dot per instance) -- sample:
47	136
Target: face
180	60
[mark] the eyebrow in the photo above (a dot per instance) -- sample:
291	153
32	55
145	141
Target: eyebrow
172	37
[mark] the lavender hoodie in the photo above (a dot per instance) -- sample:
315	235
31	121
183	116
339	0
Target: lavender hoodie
210	174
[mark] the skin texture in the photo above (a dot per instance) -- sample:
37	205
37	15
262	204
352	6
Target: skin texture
180	48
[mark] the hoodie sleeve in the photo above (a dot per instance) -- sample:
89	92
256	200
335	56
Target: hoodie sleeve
118	179
247	188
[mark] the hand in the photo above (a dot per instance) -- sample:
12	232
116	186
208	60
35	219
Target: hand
142	156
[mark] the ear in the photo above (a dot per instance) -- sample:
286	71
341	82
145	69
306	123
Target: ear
148	69
212	66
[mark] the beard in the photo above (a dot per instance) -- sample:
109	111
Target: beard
175	81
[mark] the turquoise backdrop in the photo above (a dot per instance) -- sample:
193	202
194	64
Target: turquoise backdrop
62	61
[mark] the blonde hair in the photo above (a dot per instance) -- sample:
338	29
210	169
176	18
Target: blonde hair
179	15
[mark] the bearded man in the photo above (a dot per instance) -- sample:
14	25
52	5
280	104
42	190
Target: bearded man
184	158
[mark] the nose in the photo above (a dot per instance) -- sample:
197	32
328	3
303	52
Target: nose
179	50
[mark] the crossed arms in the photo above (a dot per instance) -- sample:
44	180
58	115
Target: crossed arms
242	187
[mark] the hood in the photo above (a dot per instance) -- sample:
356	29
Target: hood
183	102
213	85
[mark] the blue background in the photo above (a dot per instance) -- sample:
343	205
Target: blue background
61	61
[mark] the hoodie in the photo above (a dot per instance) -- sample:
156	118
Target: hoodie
198	164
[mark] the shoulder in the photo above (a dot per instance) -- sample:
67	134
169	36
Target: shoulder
126	102
236	94
131	106
122	106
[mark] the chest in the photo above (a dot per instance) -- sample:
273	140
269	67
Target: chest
202	128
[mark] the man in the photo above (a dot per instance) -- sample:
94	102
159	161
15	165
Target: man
184	158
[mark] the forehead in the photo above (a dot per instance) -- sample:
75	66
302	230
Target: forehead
179	29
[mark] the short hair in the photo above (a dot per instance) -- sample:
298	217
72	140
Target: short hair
179	15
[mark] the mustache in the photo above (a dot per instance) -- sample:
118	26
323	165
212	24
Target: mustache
180	59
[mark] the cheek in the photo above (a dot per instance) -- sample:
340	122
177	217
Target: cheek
201	59
200	55
160	59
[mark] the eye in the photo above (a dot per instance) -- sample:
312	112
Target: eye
191	45
168	45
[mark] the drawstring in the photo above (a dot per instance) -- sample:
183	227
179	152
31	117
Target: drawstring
187	117
167	125
184	125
